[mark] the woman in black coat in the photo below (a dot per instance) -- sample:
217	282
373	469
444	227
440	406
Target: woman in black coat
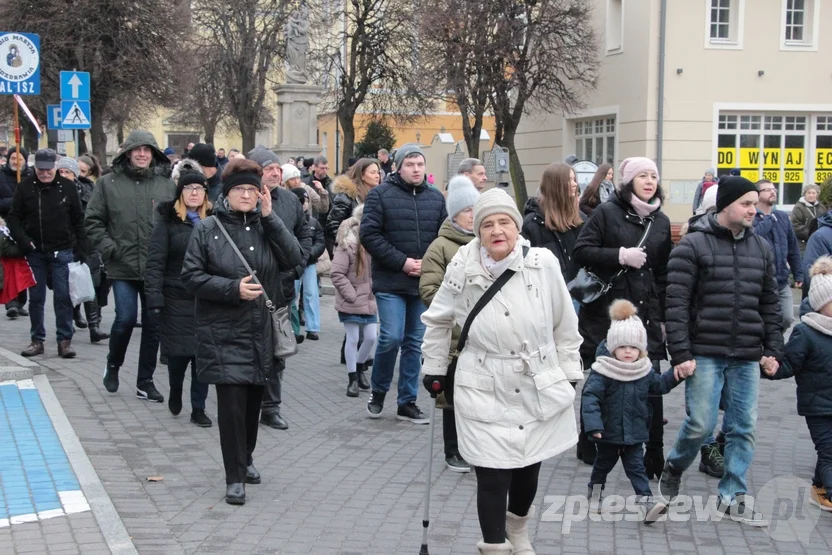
608	244
555	222
349	191
167	297
233	325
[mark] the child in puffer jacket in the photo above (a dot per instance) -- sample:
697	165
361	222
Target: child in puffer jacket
615	409
806	357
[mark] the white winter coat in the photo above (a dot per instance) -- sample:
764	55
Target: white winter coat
512	396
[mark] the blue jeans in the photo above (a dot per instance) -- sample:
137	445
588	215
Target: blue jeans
127	295
311	301
56	265
401	327
737	383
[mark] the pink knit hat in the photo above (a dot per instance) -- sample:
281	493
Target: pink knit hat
631	167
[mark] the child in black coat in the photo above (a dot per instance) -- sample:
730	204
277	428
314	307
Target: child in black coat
615	409
806	357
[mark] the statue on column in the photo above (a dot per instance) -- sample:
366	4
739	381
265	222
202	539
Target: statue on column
297	43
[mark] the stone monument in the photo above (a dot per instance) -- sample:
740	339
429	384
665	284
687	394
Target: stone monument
297	115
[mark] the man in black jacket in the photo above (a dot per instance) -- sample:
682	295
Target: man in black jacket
290	211
47	222
207	158
402	217
8	184
320	181
723	323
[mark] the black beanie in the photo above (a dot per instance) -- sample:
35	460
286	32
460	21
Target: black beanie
732	188
301	193
204	154
189	178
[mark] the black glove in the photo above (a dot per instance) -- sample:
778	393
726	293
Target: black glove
434	384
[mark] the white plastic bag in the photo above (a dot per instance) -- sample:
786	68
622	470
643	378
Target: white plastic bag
81	288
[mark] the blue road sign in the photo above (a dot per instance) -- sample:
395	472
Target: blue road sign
19	63
75	114
53	116
75	85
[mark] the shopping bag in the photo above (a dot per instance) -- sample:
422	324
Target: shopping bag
81	288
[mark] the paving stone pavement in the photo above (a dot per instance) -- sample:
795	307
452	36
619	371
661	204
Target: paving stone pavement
339	483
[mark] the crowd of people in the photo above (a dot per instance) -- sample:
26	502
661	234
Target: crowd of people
498	315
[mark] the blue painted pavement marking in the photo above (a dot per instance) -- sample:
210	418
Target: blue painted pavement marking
36	479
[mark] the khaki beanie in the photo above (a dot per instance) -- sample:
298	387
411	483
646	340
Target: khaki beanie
495	201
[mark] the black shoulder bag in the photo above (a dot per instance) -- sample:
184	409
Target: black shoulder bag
463	337
586	287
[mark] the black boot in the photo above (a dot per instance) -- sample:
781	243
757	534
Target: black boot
80	322
93	312
175	400
235	494
201	419
352	388
343	346
363	382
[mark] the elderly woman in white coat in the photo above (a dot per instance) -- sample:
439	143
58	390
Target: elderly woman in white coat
512	392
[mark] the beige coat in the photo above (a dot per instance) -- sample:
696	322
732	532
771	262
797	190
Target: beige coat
512	396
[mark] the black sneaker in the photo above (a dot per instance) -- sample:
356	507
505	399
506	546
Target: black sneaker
12	313
740	512
148	392
376	404
111	378
201	419
411	413
711	461
456	463
22	311
669	483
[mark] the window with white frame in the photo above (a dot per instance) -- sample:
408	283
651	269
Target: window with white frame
595	140
799	24
615	26
724	23
720	25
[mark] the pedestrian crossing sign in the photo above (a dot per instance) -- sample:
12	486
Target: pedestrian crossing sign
75	114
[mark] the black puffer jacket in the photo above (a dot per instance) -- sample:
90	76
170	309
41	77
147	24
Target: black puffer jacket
234	337
8	183
163	282
343	204
318	242
562	244
400	221
286	205
722	296
613	225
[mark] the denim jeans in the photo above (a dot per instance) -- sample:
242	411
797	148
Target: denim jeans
177	367
632	457
56	265
787	307
311	301
737	383
127	295
401	327
820	428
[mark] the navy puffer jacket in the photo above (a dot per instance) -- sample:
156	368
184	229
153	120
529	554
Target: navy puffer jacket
400	221
806	357
776	228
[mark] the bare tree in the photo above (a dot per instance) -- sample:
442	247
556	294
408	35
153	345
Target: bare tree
371	62
248	38
128	47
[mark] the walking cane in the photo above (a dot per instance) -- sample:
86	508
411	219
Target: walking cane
436	386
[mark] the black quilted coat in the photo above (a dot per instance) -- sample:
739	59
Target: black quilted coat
234	337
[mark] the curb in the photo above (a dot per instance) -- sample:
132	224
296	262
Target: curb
24	368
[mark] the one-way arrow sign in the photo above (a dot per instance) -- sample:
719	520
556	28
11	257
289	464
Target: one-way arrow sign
75	85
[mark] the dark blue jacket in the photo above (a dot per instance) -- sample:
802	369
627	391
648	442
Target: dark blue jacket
400	221
776	228
807	357
820	244
619	410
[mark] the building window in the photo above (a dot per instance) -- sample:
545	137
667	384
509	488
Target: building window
595	140
720	19
723	22
615	26
800	24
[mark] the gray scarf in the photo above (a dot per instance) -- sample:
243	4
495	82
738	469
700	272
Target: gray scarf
622	371
819	322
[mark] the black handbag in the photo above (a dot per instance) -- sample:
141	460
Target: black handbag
463	337
586	287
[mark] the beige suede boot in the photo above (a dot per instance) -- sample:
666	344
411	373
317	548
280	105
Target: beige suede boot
504	548
517	530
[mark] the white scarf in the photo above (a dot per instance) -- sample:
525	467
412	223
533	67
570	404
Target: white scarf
497	267
818	322
622	371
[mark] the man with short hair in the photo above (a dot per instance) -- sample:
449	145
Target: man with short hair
221	160
187	152
119	220
402	217
723	323
775	227
320	181
474	169
286	205
47	222
8	185
386	161
206	157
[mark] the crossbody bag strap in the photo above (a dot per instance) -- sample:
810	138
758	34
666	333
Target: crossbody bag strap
245	263
640	244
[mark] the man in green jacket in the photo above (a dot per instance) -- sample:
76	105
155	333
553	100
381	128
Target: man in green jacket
119	222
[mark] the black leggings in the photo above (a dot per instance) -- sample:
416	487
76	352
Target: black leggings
492	486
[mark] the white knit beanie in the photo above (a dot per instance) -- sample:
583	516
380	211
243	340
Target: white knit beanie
495	201
626	329
820	288
461	195
289	171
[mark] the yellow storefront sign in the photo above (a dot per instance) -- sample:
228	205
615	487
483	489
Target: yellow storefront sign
794	159
823	159
751	175
749	158
793	176
726	157
771	175
771	158
822	175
